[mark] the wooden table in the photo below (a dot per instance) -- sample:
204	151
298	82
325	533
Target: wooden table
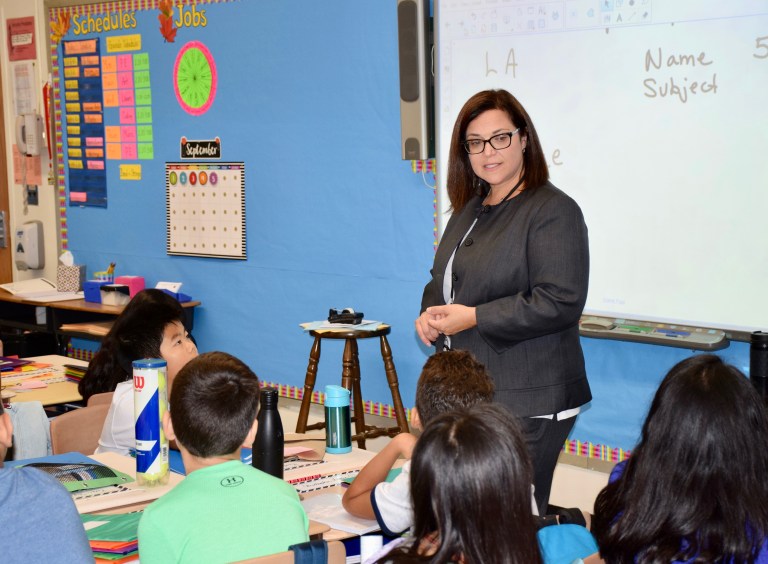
136	498
57	393
333	469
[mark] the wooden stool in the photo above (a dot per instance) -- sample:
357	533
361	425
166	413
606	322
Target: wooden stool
350	379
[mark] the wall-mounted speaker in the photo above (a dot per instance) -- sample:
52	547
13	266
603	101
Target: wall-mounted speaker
416	80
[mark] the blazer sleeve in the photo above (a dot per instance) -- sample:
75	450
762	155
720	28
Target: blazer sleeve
428	297
558	271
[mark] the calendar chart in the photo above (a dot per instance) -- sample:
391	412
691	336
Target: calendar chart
205	205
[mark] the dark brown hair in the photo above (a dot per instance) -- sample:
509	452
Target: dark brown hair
471	487
695	487
463	185
451	380
214	402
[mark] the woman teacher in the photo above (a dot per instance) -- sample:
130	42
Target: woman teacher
509	281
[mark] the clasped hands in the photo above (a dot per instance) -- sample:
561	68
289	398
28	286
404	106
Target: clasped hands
446	319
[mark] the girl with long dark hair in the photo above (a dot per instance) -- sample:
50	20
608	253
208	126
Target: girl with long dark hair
471	492
696	487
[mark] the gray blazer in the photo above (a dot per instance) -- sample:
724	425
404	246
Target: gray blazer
525	267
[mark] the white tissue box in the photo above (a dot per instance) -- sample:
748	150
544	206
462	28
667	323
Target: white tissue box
70	278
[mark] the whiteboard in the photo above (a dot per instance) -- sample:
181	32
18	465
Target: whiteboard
653	117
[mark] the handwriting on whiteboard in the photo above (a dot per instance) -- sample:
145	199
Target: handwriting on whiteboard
668	82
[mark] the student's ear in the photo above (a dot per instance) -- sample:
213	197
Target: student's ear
415	419
6	436
168	426
6	431
251	436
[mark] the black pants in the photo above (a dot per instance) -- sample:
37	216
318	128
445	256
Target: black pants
545	438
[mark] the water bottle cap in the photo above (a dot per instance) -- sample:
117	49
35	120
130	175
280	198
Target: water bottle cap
149	363
336	396
268	397
759	338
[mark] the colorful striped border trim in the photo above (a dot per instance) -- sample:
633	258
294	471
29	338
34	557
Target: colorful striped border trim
598	452
125	6
429	165
79	354
424	166
369	407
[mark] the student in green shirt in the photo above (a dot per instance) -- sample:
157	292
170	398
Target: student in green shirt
224	510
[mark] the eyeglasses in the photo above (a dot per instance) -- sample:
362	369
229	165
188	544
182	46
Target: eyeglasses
500	141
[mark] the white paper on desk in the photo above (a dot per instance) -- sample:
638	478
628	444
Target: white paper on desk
30	288
364	325
327	508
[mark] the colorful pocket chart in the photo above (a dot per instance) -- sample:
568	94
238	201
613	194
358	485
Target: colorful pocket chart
107	103
85	122
127	87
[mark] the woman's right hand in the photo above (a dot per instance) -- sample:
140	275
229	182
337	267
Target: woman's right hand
426	332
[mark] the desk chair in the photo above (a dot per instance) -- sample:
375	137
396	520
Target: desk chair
97	399
337	554
78	430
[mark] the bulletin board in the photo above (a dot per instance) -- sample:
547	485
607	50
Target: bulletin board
121	85
334	217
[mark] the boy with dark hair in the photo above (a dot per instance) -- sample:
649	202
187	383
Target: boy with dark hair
35	504
450	380
224	510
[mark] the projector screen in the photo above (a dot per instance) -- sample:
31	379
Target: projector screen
653	115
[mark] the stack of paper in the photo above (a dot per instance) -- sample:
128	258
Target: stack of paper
39	290
74	373
113	538
11	362
30	376
364	325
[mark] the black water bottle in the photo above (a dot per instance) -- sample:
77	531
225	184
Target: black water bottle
758	356
268	446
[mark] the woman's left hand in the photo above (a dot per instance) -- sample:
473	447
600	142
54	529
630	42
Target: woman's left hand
453	318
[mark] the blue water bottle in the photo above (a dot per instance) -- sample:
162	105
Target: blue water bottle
338	433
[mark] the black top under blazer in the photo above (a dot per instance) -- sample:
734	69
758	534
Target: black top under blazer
525	267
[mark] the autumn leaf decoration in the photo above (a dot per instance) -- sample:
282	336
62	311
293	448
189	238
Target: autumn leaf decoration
60	27
166	20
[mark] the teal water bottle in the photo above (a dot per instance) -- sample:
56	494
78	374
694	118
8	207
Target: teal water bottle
338	434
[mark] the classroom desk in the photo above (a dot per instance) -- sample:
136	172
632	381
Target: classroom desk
326	478
20	313
137	498
134	498
56	393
